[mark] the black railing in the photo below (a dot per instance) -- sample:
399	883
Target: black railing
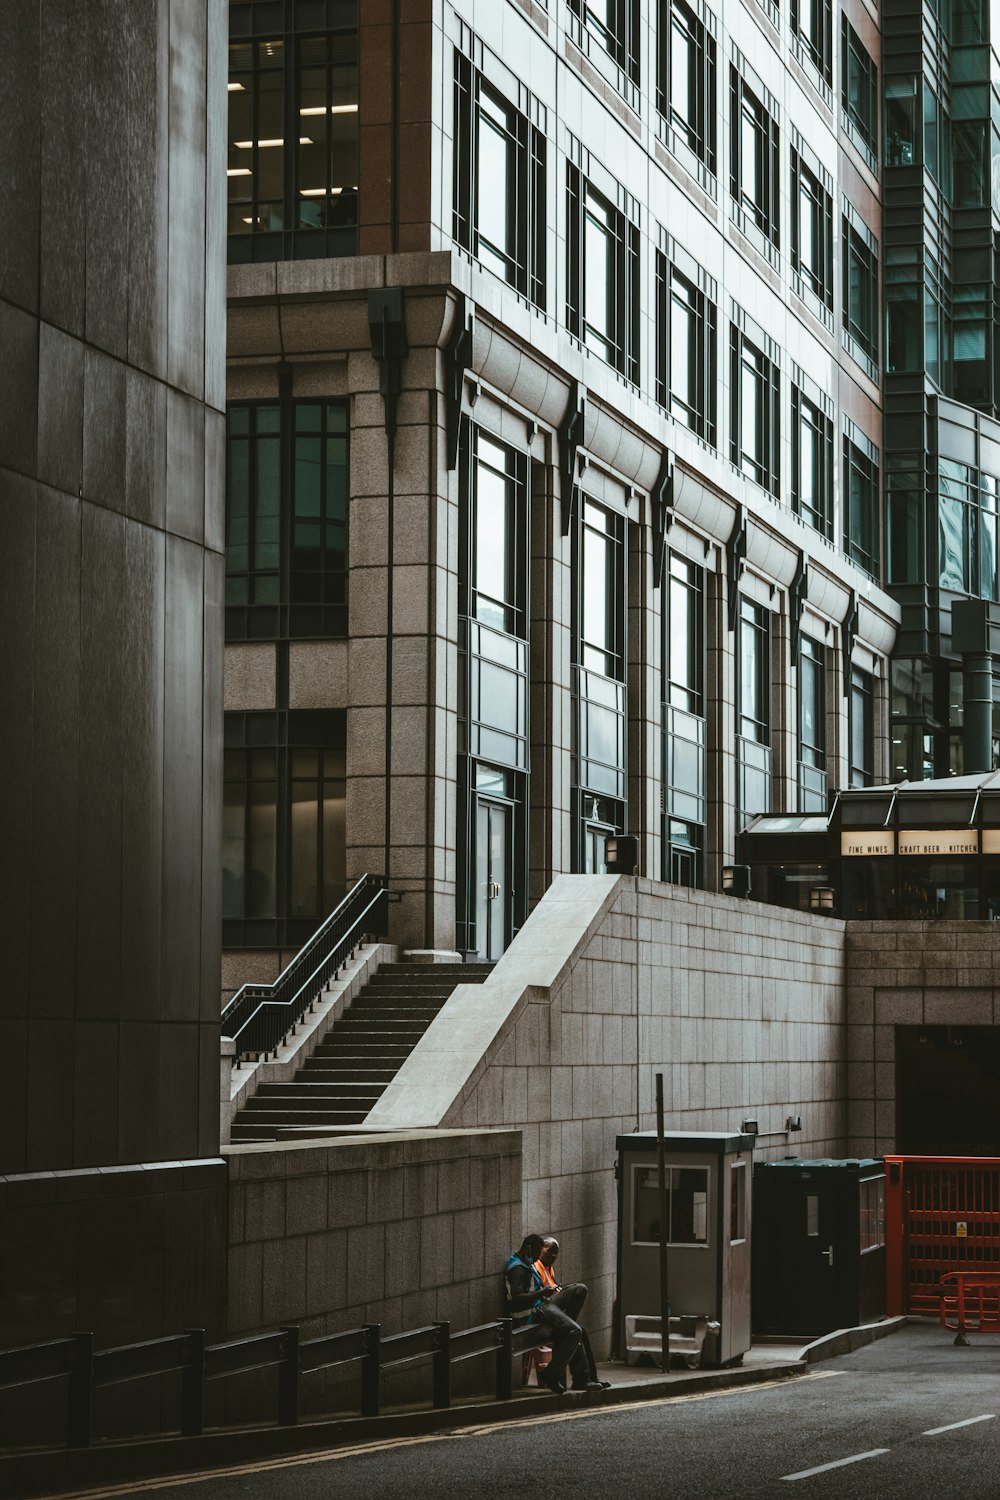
89	1369
260	1016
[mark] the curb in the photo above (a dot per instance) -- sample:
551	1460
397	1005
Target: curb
846	1340
58	1470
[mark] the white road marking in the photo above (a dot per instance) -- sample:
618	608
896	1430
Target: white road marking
839	1463
969	1422
357	1450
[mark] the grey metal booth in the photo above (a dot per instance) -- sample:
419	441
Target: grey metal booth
709	1186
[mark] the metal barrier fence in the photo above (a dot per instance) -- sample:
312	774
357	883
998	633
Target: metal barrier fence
88	1369
942	1216
970	1300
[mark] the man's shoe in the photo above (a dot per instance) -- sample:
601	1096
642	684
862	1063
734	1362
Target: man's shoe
605	1385
593	1385
553	1384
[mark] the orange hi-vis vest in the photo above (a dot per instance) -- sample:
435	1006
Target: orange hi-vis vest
545	1273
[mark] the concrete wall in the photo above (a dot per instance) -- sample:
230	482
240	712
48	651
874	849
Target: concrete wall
909	974
112	393
401	1232
611	980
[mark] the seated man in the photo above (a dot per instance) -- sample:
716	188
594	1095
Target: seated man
582	1365
532	1302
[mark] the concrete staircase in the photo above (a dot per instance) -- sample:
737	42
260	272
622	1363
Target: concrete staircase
361	1053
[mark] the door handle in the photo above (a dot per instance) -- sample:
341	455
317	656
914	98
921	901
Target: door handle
828	1253
494	889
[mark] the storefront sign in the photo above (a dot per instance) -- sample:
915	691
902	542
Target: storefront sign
991	840
867	844
938	841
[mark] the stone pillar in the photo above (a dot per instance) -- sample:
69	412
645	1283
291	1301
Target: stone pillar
112	322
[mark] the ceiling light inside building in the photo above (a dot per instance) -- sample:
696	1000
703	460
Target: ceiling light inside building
233	87
304	140
335	109
238	172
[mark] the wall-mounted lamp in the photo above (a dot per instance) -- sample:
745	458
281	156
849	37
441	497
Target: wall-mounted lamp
750	1127
794	1122
822	898
736	880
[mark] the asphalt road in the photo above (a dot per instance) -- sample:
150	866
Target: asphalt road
910	1416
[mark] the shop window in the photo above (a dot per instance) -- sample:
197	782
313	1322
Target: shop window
499	186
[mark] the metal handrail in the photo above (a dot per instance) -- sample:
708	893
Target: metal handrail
260	1016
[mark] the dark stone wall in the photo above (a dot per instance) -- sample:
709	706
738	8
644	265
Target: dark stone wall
112	350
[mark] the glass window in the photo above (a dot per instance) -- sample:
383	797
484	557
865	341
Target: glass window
813	26
685	643
812	726
860	274
904	324
497	537
602	260
754	160
294	196
284	835
687	1206
755	673
812	464
602	592
737	1201
861	508
686	80
812	231
872	1211
684	736
862	729
686	350
754	412
957	517
905	517
859	88
499	183
286	523
901	121
614	25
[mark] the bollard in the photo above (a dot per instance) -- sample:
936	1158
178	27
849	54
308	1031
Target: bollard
81	1392
288	1380
371	1371
441	1368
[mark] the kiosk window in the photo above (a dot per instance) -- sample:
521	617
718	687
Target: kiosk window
687	1206
737	1201
872	1214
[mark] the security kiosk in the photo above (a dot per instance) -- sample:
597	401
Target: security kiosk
708	1179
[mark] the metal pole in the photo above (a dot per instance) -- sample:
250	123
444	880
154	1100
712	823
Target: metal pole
661	1183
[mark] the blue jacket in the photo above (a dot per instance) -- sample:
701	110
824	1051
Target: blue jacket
523	1287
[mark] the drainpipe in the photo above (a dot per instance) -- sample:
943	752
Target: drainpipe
387	331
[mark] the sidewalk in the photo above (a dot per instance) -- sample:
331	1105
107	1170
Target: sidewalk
49	1473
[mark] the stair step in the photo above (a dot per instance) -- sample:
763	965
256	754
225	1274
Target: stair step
322	1088
262	1119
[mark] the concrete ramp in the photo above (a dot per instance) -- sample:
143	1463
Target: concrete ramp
465	1038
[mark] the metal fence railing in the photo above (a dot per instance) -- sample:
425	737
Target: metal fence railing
89	1369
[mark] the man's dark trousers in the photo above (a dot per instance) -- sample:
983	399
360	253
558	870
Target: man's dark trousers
560	1313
